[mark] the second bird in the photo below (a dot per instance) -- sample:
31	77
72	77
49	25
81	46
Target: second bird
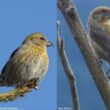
99	32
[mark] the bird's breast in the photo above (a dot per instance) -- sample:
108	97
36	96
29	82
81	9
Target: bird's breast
41	52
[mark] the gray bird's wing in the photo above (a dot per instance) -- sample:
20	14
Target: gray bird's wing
102	37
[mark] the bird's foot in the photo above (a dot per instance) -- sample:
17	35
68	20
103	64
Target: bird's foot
108	72
101	61
34	84
105	66
30	84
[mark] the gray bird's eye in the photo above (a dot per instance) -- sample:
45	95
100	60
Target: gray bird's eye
104	11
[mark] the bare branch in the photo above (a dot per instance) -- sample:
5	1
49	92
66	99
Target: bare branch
70	14
17	92
68	71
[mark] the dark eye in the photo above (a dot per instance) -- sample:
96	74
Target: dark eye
42	38
104	11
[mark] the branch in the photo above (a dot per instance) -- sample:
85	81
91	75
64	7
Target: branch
68	71
17	92
70	14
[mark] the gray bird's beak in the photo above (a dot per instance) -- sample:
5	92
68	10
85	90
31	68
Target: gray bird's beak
107	22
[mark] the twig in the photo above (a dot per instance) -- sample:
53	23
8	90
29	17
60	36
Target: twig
16	93
70	14
68	71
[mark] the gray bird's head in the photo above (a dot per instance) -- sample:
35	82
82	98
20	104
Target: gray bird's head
99	18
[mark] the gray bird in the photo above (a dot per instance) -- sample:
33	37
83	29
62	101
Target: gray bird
99	32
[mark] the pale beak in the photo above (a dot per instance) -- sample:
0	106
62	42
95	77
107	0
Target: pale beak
49	43
107	22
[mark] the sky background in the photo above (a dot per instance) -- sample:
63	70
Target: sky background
89	96
18	19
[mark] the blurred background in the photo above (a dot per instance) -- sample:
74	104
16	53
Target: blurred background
18	19
89	97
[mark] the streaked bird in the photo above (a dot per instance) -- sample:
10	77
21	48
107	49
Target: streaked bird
99	32
29	62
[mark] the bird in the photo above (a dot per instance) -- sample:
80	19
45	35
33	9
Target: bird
99	32
29	62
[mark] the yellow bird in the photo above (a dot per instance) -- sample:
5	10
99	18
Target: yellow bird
27	63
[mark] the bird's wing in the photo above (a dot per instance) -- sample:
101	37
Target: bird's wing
102	38
104	41
7	64
14	52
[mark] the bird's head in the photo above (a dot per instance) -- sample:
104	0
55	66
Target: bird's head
100	15
37	39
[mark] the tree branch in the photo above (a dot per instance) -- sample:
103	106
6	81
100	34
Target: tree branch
17	92
68	71
70	14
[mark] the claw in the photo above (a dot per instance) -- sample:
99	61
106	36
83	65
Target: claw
36	87
31	84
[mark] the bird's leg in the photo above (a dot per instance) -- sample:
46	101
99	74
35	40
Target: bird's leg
101	61
108	66
30	84
34	84
22	85
19	85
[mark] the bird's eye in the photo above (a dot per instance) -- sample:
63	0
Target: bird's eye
42	38
104	11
